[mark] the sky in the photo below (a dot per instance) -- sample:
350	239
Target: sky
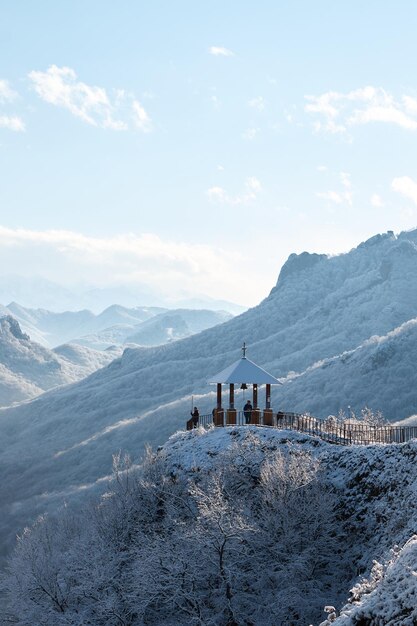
191	146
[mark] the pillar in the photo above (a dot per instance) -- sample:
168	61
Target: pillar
268	396
231	411
268	414
218	417
219	396
256	414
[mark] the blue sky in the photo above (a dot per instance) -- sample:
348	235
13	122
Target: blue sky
192	146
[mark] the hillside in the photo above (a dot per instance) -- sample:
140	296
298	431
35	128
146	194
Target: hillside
27	369
53	329
175	324
232	526
321	308
379	373
115	326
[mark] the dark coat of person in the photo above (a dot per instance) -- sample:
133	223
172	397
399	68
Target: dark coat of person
195	415
247	411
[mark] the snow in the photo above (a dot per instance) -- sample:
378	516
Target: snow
320	319
304	522
390	597
244	371
27	369
116	325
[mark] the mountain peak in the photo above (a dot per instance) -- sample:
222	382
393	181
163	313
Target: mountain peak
298	262
8	325
376	239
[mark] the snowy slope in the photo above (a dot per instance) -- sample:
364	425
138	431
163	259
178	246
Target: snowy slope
389	595
116	325
379	373
27	369
304	522
321	307
175	324
53	329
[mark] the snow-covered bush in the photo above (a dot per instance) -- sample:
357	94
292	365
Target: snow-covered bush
243	543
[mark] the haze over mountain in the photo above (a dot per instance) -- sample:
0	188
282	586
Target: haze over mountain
27	369
39	293
116	325
320	308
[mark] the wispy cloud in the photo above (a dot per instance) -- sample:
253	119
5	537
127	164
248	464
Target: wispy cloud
220	51
59	86
376	201
406	186
339	111
252	188
7	94
257	103
250	133
10	121
341	196
141	119
215	102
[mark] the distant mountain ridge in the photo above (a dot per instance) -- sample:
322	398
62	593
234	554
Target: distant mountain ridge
116	325
39	293
27	369
320	319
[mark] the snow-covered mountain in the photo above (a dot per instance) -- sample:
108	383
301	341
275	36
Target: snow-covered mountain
27	369
36	292
174	325
379	373
321	308
237	525
53	329
116	325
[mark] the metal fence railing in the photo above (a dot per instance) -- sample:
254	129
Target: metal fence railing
332	430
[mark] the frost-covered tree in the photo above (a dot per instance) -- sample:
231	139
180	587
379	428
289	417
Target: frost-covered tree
250	541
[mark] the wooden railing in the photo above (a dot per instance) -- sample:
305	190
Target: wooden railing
331	430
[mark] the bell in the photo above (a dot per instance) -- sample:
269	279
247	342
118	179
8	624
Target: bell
243	386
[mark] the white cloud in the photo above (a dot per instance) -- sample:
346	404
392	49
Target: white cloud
220	51
340	111
59	86
376	201
12	122
250	133
141	119
322	168
252	188
345	180
6	92
331	196
339	197
217	193
253	183
129	259
257	103
405	186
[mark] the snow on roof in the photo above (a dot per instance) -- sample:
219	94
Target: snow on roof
244	371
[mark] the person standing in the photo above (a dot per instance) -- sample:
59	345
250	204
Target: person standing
195	415
247	412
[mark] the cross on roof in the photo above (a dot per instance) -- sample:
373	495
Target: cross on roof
244	348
